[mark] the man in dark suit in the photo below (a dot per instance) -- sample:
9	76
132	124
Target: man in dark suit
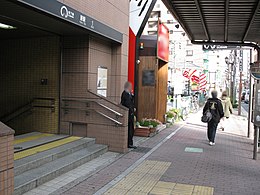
127	100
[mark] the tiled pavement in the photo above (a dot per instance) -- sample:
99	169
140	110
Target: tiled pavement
226	168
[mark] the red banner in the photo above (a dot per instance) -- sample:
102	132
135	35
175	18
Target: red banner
163	42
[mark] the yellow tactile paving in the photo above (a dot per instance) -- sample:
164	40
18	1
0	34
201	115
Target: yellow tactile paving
44	147
116	191
202	190
144	180
167	185
30	138
161	191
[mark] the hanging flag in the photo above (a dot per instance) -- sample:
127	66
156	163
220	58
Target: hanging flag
186	74
202	82
195	76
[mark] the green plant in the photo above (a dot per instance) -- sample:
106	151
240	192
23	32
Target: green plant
170	114
176	111
149	122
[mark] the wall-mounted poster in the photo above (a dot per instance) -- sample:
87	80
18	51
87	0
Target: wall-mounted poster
148	78
102	81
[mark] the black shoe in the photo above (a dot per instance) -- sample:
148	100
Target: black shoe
131	146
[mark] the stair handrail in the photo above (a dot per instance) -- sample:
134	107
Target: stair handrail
26	108
106	99
86	100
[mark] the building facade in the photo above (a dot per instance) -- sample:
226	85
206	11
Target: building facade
183	54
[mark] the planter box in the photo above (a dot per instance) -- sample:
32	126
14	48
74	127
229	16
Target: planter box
142	132
148	132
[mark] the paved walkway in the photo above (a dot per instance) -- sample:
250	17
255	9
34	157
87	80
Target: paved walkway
180	161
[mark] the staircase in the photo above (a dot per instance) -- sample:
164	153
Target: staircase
37	163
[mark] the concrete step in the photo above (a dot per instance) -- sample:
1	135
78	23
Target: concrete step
39	159
26	143
36	177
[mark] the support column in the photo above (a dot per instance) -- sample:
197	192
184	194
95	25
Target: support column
6	160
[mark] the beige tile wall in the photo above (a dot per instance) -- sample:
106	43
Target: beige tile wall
23	63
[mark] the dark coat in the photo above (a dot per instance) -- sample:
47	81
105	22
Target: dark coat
215	107
127	100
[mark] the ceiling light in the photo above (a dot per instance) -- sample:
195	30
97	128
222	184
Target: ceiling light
5	26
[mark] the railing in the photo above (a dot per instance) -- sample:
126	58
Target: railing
28	108
87	101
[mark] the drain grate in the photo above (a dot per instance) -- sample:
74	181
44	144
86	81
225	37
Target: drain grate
142	149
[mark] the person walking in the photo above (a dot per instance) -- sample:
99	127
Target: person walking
215	107
228	109
127	100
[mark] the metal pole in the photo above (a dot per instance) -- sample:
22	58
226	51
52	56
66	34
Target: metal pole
256	137
240	93
249	108
250	100
234	77
232	83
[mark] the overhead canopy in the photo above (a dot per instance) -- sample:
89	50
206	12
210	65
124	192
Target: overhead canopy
39	18
218	20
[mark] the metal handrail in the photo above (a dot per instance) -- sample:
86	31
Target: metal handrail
107	100
91	100
108	117
28	107
88	109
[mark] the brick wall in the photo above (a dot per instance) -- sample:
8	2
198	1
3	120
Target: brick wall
23	63
6	160
81	58
116	15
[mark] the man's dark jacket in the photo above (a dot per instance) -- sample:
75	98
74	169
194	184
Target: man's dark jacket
127	100
216	109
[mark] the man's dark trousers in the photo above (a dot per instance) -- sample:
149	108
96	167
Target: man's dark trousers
212	128
130	133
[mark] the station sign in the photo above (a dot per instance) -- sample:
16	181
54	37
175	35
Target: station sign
219	47
64	12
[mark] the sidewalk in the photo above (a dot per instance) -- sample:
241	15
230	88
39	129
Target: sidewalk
180	161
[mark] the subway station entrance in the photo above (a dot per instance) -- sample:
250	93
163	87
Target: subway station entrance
30	77
49	56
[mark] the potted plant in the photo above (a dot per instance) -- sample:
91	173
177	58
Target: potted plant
147	127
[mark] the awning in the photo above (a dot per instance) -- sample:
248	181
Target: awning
227	21
40	17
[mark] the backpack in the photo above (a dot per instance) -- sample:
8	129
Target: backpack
206	117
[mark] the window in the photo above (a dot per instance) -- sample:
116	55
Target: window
168	12
188	42
189	62
189	52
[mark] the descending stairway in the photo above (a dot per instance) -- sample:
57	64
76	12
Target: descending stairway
43	157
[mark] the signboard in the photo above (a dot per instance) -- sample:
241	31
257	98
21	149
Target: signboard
73	16
102	81
218	47
148	78
241	61
163	42
138	12
255	70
